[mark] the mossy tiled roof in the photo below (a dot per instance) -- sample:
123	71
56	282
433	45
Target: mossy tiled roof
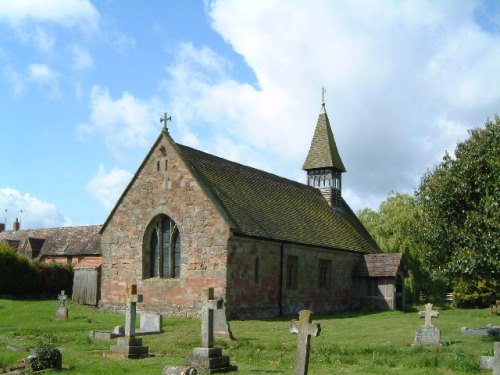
323	152
380	265
260	204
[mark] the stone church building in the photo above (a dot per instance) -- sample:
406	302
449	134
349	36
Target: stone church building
268	245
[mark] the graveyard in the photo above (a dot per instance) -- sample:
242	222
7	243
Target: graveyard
346	343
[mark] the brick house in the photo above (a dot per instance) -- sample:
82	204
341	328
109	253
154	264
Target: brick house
268	245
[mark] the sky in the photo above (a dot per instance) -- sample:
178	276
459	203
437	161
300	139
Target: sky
83	85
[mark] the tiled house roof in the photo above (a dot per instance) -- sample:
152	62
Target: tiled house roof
380	265
323	152
64	241
260	204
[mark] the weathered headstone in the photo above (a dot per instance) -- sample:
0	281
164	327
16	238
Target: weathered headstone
62	310
207	358
222	330
130	346
179	370
304	328
428	334
149	323
492	363
489	330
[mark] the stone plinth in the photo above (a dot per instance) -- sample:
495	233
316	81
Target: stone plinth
129	347
210	360
428	335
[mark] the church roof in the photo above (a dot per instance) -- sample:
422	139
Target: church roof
380	265
323	152
64	241
261	204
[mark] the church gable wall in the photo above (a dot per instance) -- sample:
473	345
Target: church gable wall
164	186
254	286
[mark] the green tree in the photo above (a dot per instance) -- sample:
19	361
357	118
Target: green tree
459	202
393	226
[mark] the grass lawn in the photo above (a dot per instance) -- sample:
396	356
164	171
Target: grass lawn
350	343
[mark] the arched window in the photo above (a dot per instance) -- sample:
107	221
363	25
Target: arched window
162	249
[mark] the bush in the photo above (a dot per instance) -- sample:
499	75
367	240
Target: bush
55	277
47	355
482	294
18	274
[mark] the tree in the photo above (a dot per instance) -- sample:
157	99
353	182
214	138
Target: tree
459	202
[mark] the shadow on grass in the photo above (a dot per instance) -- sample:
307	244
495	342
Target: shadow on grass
260	371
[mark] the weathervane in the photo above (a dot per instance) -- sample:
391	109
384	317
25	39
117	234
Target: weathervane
323	95
165	119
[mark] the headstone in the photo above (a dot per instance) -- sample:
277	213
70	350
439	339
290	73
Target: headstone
492	363
130	346
304	328
222	330
150	323
62	310
207	358
179	370
428	334
489	330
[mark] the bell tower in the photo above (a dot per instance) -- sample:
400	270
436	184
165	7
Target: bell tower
323	164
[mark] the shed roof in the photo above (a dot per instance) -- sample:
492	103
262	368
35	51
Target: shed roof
380	265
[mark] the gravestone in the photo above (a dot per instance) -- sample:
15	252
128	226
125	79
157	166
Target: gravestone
179	370
304	328
492	363
130	346
489	330
428	334
207	358
222	330
62	310
150	323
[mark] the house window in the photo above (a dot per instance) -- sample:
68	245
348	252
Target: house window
324	273
292	271
256	275
162	249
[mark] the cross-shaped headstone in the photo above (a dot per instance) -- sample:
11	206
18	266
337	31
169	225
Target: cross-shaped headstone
492	362
305	329
165	119
62	298
130	316
428	314
209	304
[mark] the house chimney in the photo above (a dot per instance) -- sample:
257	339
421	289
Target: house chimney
16	225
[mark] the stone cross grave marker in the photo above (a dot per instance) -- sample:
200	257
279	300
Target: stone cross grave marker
62	310
130	316
492	363
428	314
209	304
305	329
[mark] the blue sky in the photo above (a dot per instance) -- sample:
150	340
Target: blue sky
83	85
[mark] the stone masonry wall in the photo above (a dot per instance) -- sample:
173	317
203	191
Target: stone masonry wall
251	296
166	186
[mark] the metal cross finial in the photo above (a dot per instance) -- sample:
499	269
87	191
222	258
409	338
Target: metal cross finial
165	119
323	95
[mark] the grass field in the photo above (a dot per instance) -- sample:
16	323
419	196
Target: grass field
350	343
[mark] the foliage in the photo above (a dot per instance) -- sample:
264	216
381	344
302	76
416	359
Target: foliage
55	277
47	356
460	205
18	275
481	294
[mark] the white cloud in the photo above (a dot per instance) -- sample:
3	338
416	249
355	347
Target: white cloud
68	13
81	58
46	78
31	211
15	79
43	40
404	80
125	123
108	186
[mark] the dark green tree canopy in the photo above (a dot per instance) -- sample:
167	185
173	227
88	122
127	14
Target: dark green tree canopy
459	202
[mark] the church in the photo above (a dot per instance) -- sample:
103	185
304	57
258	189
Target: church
268	245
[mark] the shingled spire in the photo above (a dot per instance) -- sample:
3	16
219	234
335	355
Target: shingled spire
323	163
